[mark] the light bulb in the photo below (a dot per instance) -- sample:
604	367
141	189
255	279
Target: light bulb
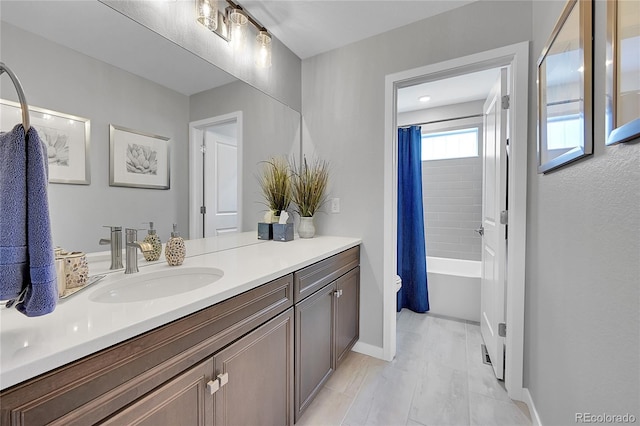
263	58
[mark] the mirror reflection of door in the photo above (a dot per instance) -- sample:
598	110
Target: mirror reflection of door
220	179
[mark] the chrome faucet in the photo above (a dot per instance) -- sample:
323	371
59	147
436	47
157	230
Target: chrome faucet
116	246
132	247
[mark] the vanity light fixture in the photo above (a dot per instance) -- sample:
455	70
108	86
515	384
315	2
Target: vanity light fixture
238	16
207	12
425	98
238	27
263	57
231	23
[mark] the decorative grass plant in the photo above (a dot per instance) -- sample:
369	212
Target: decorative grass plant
309	186
275	183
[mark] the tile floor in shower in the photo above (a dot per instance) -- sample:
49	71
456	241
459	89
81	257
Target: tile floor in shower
437	378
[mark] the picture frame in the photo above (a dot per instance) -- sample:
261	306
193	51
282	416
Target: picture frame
138	159
66	136
565	89
622	72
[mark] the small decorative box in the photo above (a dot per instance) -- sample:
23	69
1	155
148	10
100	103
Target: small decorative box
76	269
265	231
283	231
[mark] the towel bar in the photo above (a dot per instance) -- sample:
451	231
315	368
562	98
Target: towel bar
23	100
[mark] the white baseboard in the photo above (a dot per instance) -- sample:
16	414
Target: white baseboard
367	349
535	418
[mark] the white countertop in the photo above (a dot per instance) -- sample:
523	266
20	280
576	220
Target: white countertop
80	326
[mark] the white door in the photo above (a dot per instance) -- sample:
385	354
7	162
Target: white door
220	180
494	189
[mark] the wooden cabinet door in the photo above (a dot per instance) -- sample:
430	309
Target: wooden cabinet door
259	369
314	345
183	401
347	313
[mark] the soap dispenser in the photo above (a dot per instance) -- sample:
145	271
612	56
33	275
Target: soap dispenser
153	239
175	250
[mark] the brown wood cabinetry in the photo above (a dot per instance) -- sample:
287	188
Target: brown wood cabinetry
183	401
347	313
253	359
111	382
314	345
259	366
327	307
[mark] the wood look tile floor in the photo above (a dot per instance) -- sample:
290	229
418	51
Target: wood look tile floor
437	378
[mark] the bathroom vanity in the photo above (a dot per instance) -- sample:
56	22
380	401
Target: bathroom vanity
274	328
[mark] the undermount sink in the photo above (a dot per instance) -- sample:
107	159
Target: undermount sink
154	285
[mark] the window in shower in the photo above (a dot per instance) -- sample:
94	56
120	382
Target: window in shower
460	143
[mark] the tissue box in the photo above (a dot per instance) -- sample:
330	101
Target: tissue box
283	231
265	231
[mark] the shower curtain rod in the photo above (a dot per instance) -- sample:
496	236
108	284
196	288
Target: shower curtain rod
443	120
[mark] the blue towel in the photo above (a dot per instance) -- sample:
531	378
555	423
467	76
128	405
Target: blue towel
26	249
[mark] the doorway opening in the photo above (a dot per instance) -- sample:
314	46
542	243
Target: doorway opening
215	176
515	57
450	113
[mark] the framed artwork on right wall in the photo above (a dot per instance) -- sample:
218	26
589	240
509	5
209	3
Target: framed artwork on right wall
565	89
623	71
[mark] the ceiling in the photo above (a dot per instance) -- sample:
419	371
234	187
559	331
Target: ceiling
449	91
310	27
307	27
102	33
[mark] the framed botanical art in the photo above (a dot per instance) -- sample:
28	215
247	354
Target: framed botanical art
65	136
623	71
565	89
138	159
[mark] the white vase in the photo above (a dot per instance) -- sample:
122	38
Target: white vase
306	229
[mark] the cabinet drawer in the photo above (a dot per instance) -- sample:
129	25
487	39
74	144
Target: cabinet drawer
312	278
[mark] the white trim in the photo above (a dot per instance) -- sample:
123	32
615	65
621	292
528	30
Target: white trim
367	349
195	168
390	227
516	55
535	418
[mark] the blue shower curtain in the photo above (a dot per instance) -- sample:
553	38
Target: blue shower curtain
412	261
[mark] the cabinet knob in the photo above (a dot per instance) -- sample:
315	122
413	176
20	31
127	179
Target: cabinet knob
338	293
214	385
223	379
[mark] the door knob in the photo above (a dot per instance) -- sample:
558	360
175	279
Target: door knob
480	230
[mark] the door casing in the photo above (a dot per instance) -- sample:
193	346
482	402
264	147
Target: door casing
196	130
517	57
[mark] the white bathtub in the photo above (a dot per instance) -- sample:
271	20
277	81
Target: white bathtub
454	287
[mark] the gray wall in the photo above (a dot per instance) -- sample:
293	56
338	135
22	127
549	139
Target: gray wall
60	79
452	188
270	129
343	120
176	21
582	312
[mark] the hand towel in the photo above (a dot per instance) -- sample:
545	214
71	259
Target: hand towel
26	249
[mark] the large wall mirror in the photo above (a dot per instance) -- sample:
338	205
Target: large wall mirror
84	59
